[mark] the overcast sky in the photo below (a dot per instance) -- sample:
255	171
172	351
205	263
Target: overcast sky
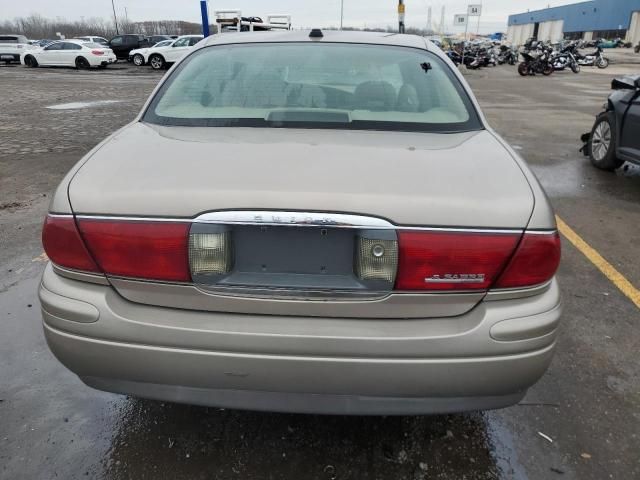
306	13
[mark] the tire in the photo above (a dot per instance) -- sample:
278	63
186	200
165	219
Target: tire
523	69
575	68
30	61
82	63
602	143
157	62
547	70
138	60
602	62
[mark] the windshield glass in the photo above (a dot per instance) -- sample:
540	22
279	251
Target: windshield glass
314	85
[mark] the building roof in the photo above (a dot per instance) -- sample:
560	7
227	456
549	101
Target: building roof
585	16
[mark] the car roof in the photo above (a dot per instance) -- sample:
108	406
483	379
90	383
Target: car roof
374	38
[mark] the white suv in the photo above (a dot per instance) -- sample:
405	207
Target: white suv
159	57
12	46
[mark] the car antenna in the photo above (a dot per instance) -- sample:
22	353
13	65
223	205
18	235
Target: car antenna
316	33
426	66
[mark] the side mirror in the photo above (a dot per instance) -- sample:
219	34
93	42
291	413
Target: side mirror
626	83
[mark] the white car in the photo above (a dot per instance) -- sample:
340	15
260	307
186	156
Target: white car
12	46
69	53
160	57
140	56
99	40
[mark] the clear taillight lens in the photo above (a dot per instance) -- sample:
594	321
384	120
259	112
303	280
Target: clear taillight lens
210	253
376	260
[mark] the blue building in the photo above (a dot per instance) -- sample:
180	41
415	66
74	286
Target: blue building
587	20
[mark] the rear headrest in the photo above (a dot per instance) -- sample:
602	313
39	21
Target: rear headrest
375	96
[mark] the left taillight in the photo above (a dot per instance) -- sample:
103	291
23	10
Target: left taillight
139	249
64	246
97	52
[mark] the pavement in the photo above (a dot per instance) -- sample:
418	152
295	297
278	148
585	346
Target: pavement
581	421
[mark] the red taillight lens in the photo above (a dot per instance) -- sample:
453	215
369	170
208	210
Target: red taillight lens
149	250
452	260
535	262
63	245
97	52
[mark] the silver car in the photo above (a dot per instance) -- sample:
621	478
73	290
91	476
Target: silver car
305	222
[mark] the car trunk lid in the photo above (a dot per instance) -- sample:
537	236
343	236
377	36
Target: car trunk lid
298	204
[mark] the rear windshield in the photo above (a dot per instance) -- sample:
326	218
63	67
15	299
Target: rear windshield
93	45
13	39
314	85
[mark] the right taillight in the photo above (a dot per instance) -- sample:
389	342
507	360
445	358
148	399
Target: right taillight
452	261
475	261
535	262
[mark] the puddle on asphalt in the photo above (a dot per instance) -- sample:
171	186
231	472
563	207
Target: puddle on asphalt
78	105
183	441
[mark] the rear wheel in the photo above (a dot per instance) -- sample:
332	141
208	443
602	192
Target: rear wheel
156	62
30	61
602	62
138	60
547	69
602	143
523	69
82	63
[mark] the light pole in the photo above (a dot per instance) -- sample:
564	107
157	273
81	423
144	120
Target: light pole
400	16
341	13
115	19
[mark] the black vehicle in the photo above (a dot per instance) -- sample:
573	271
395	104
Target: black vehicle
615	136
153	39
123	44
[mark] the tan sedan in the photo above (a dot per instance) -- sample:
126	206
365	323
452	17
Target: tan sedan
305	222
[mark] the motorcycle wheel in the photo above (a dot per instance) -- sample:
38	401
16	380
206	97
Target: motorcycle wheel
523	69
602	62
547	70
575	68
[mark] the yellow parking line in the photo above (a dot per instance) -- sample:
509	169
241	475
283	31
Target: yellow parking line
625	286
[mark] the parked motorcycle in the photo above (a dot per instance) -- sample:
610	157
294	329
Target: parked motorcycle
566	58
507	55
594	59
537	59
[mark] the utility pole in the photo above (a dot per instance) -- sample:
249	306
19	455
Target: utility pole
400	16
341	13
115	18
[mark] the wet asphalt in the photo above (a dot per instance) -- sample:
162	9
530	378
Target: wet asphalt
581	421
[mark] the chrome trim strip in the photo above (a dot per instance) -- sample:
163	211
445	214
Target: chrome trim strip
135	219
60	215
298	219
79	275
541	232
307	219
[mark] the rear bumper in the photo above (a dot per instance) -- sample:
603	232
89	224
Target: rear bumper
10	57
132	356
